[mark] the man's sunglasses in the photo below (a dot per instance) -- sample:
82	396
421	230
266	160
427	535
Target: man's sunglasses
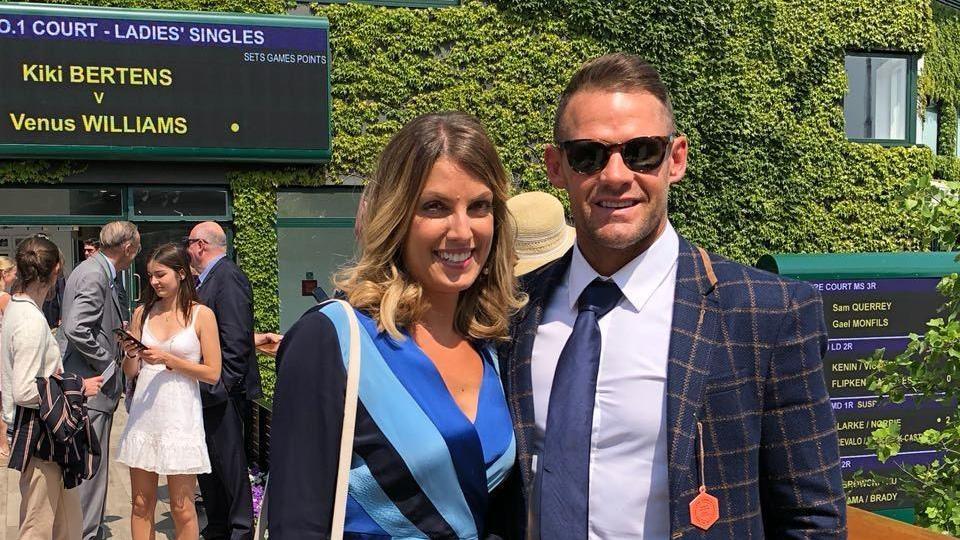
640	154
187	241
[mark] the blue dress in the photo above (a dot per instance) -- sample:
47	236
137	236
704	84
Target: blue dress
420	468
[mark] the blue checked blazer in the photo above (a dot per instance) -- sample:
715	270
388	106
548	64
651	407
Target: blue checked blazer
745	360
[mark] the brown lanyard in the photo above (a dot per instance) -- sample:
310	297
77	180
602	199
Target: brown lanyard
704	508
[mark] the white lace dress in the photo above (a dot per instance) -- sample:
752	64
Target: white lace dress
164	432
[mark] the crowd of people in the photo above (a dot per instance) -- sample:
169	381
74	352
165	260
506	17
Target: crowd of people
185	361
518	377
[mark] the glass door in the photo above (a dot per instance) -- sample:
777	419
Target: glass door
315	236
152	236
167	214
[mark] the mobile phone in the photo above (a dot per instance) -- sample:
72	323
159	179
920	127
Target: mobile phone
127	336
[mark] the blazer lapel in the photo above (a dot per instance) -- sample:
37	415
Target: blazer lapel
111	286
539	286
696	320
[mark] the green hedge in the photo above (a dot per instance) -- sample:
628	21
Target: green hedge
940	80
236	6
758	86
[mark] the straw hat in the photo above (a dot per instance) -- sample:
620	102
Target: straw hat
542	233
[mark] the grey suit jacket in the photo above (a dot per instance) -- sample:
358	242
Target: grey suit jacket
91	312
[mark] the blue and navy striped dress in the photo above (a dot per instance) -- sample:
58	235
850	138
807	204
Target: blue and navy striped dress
420	468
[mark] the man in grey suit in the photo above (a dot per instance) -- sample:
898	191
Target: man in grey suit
91	312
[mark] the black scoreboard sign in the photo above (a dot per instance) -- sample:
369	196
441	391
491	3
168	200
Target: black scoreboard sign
864	313
131	84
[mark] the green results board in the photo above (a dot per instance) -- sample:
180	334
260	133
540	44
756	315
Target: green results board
135	84
873	301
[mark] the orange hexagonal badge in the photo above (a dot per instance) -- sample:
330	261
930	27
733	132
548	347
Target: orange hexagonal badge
704	510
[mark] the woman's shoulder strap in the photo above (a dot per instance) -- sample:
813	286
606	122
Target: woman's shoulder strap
335	309
194	311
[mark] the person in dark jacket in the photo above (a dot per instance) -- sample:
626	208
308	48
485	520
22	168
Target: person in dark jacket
432	291
53	307
225	289
658	390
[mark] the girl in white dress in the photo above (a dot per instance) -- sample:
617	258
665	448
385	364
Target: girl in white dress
164	433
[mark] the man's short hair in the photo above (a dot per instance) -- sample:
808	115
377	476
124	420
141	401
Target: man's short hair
116	234
615	72
95	242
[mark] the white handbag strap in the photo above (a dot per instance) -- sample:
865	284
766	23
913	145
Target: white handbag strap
349	423
346	437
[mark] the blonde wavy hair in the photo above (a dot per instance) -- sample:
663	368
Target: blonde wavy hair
6	264
378	283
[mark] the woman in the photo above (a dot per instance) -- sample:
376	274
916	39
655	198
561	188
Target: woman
164	433
8	274
433	290
28	351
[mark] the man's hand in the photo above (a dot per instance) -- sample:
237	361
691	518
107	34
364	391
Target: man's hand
265	339
91	386
129	348
267	343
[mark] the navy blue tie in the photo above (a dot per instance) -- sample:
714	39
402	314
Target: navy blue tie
565	464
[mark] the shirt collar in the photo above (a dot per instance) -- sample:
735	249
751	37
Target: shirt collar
638	279
24	298
206	271
111	266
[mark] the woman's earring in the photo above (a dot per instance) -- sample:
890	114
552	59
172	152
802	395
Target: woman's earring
486	270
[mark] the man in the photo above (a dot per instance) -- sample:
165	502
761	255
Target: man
225	289
91	246
91	311
53	307
660	391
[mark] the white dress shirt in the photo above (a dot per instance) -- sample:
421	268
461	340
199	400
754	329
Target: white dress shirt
206	271
629	492
112	266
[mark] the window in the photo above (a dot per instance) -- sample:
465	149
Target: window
61	202
880	101
314	238
330	203
927	128
180	202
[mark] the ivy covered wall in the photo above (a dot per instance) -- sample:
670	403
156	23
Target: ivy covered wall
940	84
758	86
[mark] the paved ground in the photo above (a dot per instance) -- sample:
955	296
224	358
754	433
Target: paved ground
118	497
